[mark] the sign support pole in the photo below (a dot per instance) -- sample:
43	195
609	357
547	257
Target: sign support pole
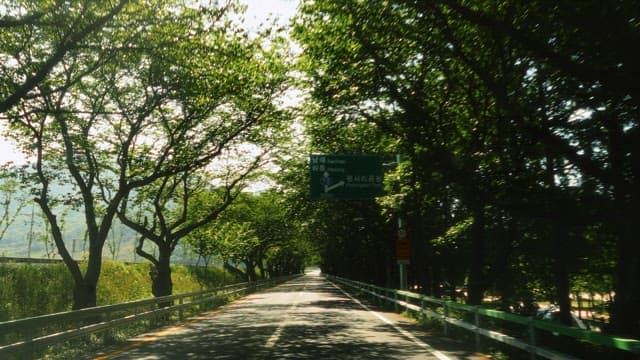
402	265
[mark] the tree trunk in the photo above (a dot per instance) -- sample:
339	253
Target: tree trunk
476	284
263	274
625	310
251	271
504	280
84	295
579	299
419	254
559	237
562	286
237	272
161	284
388	265
85	287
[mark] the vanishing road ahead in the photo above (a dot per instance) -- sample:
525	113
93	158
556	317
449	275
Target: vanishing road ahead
305	318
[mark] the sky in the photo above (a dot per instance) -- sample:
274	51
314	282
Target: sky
258	11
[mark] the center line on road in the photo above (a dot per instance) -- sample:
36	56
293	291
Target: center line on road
405	333
273	339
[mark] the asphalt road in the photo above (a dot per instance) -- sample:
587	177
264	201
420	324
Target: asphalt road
306	318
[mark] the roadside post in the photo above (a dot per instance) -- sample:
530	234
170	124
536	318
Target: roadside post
403	253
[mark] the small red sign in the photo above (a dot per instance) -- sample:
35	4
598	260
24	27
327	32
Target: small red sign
403	251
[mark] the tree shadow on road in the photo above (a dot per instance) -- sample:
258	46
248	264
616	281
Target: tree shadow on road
319	323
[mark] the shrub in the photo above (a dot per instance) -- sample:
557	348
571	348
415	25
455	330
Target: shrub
37	289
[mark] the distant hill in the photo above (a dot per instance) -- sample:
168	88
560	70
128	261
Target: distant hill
29	228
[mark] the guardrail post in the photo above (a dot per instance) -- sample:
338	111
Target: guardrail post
153	320
446	316
29	348
105	334
395	303
371	294
214	300
423	316
476	316
406	300
532	341
180	311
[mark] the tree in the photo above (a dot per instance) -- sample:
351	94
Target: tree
47	62
38	36
199	242
170	210
507	116
242	235
237	245
255	232
287	258
241	115
595	67
277	234
134	105
11	202
390	81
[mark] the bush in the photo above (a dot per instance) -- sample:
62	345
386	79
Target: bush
37	289
31	290
121	282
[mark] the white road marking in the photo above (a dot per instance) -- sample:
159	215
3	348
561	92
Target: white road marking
273	339
405	333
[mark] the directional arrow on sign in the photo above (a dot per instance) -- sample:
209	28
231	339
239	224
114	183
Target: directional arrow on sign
328	188
352	177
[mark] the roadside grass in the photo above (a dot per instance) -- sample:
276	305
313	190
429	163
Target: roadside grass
38	289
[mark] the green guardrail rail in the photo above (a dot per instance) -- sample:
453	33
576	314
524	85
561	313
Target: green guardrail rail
402	298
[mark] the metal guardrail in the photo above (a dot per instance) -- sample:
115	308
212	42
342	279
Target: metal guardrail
25	336
33	260
445	309
23	260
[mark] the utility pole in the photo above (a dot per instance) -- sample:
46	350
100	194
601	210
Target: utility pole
30	234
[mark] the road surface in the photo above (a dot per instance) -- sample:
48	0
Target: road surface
306	318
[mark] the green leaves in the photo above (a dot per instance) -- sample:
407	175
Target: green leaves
508	113
254	230
121	100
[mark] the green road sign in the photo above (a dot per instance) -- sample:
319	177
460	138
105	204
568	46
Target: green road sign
345	176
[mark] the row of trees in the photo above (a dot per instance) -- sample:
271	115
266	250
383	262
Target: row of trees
141	111
255	232
516	122
518	125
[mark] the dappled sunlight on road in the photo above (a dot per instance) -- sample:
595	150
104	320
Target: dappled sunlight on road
306	318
